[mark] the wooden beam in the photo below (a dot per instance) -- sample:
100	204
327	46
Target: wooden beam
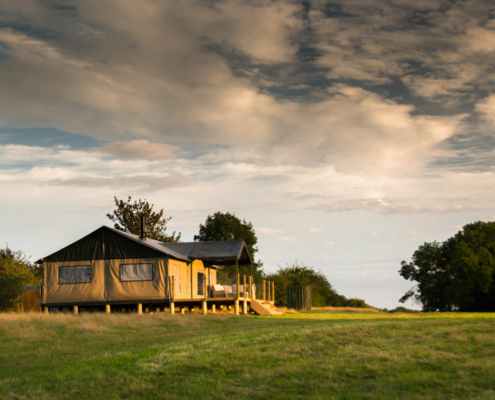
273	292
264	290
140	308
75	310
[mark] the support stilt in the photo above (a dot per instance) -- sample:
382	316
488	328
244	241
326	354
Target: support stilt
107	308
213	309
75	310
140	308
172	308
205	308
236	307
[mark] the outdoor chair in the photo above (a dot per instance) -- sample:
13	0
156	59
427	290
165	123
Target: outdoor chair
218	291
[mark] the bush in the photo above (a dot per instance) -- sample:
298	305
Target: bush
15	272
357	303
322	292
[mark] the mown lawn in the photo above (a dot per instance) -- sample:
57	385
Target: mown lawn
320	355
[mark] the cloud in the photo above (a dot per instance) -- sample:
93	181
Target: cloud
269	231
143	182
398	206
330	243
179	80
140	150
315	230
287	239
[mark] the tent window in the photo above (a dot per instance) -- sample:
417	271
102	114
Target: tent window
136	272
80	274
201	278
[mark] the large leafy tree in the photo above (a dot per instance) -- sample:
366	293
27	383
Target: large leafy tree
458	274
226	226
322	291
15	272
127	218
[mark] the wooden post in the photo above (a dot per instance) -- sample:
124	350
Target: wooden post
264	290
205	308
213	309
250	287
244	304
76	310
236	307
183	310
47	310
273	292
172	308
140	308
107	308
268	291
237	278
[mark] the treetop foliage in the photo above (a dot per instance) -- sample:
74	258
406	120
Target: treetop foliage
458	274
127	218
226	226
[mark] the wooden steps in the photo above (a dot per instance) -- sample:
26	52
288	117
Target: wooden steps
261	307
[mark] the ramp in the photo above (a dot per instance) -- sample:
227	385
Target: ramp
261	307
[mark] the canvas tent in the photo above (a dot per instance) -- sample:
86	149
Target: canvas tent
110	266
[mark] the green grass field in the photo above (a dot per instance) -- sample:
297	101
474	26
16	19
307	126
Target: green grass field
320	355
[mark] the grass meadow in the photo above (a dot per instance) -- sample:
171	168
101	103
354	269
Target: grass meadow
323	354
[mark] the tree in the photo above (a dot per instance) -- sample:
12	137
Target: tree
458	274
15	272
226	226
322	291
127	218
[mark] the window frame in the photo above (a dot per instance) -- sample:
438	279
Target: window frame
76	266
139	280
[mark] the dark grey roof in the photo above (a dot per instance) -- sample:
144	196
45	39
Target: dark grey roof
90	247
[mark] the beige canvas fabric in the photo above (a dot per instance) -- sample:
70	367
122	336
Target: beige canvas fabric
115	290
53	292
105	283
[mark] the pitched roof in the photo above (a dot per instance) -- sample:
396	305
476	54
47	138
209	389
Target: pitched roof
110	243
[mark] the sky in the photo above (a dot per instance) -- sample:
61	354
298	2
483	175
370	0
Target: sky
348	133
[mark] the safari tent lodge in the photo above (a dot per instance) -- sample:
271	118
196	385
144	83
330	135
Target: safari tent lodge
120	271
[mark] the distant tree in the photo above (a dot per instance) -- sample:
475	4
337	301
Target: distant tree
15	272
127	218
322	291
458	274
226	226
